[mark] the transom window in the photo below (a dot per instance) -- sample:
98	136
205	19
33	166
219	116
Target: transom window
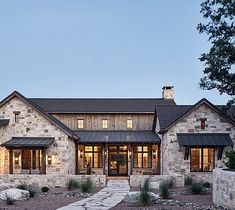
202	159
93	155
104	123
129	124
142	156
80	123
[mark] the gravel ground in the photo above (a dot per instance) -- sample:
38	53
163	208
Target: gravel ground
52	200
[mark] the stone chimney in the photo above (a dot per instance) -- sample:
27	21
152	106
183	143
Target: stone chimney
168	92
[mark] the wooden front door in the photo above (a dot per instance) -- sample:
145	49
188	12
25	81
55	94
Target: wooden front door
26	159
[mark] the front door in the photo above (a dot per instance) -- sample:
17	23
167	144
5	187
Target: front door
118	161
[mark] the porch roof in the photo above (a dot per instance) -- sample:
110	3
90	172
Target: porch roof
118	136
28	142
205	139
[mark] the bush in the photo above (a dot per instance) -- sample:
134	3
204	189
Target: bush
170	183
22	186
72	184
45	189
188	181
31	190
86	185
9	199
206	184
196	188
231	159
144	193
164	189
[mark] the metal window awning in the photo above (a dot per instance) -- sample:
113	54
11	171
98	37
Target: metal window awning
4	122
28	142
115	137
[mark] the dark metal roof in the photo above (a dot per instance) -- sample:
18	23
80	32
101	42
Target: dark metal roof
29	142
118	137
204	139
101	105
4	122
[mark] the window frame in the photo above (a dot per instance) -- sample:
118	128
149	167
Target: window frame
127	124
202	124
202	160
106	125
80	120
142	156
93	156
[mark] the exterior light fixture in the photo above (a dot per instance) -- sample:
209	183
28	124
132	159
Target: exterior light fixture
49	159
129	154
81	154
17	160
154	153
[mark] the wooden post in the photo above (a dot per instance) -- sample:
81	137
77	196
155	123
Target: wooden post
76	158
103	155
10	161
132	159
158	159
44	161
34	159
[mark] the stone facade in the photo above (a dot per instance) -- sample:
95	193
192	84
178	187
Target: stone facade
224	188
172	157
32	124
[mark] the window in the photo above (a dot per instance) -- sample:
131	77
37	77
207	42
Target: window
142	156
17	114
93	155
80	123
203	123
104	123
129	124
202	159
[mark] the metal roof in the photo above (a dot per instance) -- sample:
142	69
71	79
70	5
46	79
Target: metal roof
100	105
204	139
4	121
118	137
29	142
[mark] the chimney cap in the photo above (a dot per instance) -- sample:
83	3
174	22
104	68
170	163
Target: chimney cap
167	87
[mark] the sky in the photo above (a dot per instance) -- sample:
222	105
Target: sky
113	48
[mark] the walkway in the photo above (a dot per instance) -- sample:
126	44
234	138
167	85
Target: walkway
106	198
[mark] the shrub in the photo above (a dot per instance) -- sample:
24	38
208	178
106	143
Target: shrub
196	188
188	181
164	189
231	159
86	185
170	183
22	186
44	189
206	184
9	200
144	193
72	184
31	190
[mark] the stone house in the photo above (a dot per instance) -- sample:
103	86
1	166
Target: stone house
115	137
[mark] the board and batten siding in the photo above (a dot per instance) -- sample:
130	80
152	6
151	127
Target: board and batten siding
115	121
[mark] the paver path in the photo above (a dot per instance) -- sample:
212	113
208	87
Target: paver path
106	198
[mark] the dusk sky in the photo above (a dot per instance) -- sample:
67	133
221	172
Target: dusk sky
119	48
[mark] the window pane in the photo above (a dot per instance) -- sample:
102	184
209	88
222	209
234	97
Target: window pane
208	159
97	160
145	148
138	160
88	159
104	123
129	123
88	148
80	123
196	159
97	149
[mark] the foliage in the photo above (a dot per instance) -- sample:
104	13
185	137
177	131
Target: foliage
220	60
170	183
188	181
31	190
72	184
144	193
164	189
196	187
206	184
9	200
44	189
86	185
22	186
231	159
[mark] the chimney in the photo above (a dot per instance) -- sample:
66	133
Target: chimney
168	92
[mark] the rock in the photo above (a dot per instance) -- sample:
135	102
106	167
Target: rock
134	197
16	194
5	186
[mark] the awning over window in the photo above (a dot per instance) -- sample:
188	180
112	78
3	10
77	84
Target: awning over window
4	122
28	142
204	139
116	137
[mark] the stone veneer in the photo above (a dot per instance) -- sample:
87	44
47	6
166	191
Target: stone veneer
224	188
172	157
33	124
49	180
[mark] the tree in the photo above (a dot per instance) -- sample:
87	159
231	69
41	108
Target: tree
219	61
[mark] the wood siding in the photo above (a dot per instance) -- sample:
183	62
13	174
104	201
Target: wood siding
115	121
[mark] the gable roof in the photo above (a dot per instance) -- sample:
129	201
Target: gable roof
170	115
101	105
49	117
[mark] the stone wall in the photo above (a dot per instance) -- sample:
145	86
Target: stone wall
155	180
224	188
49	180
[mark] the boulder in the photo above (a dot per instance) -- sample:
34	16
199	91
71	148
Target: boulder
15	194
134	197
5	186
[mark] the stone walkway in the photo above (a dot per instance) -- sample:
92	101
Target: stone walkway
106	198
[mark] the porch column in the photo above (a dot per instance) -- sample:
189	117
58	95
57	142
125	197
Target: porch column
103	155
132	159
44	161
34	159
76	158
159	159
10	161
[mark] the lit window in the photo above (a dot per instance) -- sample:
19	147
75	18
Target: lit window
203	124
104	123
143	156
129	124
93	155
202	159
80	123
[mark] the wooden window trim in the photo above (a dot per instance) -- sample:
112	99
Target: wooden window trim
142	156
82	123
93	157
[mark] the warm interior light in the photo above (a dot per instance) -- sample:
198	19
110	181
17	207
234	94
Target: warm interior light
49	160
17	160
125	147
